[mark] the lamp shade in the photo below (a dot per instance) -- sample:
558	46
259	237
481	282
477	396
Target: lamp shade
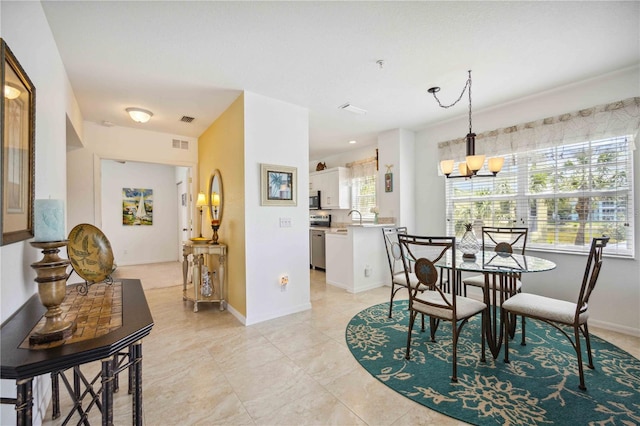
464	169
11	92
202	199
495	164
216	199
139	115
447	166
475	162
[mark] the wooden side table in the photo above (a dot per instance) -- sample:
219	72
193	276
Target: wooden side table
193	291
22	362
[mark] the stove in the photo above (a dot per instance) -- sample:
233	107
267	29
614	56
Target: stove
323	221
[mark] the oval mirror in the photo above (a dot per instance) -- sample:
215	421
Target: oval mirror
216	199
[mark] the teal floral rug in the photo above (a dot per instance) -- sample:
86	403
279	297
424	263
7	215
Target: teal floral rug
539	386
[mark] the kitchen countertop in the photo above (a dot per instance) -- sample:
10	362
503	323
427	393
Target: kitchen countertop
345	229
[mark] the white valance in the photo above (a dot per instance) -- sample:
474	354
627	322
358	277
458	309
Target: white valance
363	168
599	122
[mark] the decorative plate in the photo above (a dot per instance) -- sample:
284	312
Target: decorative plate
90	253
200	240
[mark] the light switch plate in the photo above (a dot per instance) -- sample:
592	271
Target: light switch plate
285	222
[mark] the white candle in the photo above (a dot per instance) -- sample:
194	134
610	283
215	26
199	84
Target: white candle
48	223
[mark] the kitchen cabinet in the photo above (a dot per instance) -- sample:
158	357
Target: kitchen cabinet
334	187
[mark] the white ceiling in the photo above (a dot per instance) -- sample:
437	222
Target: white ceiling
195	58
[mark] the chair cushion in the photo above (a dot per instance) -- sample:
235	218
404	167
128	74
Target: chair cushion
544	307
401	279
465	306
478	281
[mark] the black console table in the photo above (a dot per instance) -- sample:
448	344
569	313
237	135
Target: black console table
22	363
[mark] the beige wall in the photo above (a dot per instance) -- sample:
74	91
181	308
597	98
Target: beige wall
221	147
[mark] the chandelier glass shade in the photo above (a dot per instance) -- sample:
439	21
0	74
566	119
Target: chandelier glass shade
473	162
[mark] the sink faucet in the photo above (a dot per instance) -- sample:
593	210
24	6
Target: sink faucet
356	211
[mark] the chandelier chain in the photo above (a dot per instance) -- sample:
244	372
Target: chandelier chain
466	86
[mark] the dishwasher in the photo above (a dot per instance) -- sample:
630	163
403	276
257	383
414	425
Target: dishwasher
317	249
316	240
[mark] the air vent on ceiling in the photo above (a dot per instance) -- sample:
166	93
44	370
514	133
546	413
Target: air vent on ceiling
178	144
187	119
353	109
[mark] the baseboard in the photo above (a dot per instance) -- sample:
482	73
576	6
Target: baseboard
279	314
615	327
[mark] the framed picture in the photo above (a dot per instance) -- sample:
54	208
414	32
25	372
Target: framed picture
137	206
278	185
18	115
388	182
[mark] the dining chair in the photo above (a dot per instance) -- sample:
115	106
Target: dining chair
559	313
420	256
398	277
501	240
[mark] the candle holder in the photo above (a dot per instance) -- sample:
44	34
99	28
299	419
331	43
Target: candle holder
52	288
215	225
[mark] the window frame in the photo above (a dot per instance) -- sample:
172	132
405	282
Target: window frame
516	175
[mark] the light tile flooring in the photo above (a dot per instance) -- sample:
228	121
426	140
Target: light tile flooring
206	368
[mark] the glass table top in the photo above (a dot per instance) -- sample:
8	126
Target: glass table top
490	261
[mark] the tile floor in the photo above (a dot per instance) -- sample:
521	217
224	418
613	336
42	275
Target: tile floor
206	368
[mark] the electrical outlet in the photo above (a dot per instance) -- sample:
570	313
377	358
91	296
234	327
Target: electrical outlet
284	280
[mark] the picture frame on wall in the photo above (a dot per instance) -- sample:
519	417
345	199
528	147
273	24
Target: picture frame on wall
278	185
137	206
388	182
18	115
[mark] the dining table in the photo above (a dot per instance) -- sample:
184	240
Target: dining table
501	272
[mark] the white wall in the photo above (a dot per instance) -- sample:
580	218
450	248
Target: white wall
615	302
275	133
24	27
133	245
118	143
397	149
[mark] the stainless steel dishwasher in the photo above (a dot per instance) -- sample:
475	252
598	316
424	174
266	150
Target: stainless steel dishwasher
317	249
316	240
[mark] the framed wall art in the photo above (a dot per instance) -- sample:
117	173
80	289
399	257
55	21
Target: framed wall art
388	182
18	115
137	206
278	185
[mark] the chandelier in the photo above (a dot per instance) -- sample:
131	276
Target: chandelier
473	163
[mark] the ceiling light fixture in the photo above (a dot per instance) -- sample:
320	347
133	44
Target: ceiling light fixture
11	92
353	109
352	142
473	162
139	115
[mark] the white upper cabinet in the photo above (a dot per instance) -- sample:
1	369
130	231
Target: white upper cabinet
333	184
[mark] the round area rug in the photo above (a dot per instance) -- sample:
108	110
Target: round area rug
538	386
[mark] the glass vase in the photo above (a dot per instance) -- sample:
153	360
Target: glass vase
206	290
469	244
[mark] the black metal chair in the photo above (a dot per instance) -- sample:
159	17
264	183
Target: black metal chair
501	240
419	256
558	313
398	277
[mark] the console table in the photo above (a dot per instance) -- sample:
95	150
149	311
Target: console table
193	292
22	362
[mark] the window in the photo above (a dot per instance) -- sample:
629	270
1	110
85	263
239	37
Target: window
564	194
363	188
